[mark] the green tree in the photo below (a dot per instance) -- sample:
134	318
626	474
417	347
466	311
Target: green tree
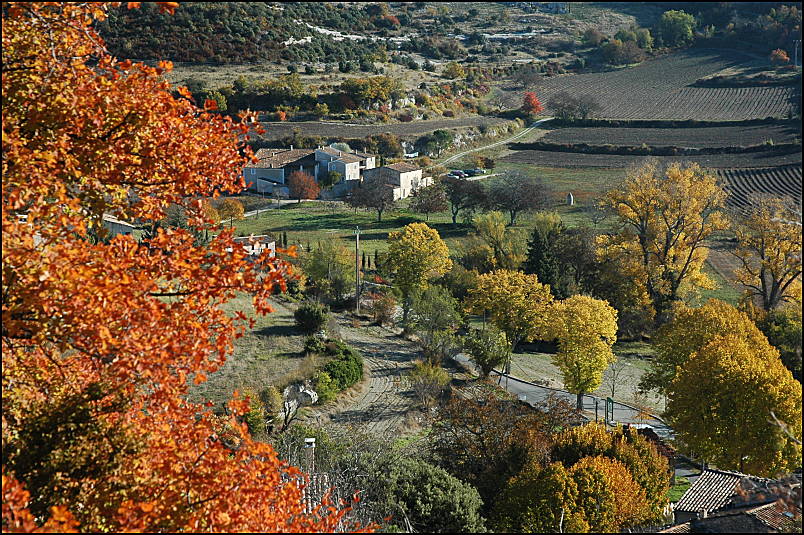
675	28
416	254
725	402
330	270
488	348
433	309
433	500
542	259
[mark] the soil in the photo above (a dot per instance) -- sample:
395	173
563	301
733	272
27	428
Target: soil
660	88
726	136
578	160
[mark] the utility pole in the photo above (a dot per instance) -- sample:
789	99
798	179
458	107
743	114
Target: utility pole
796	46
357	271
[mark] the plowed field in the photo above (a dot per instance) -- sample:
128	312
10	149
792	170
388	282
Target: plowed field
722	136
660	89
578	160
742	183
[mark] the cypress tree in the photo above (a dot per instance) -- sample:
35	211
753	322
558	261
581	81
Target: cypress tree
542	261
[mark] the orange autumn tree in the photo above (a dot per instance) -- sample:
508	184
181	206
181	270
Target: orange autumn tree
100	340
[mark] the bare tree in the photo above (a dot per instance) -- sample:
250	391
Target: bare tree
375	195
596	212
614	375
515	192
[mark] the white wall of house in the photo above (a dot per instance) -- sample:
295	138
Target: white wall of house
252	174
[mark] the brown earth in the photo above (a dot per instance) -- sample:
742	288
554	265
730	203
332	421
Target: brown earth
578	160
660	88
719	136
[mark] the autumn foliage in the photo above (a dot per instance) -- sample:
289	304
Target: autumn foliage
303	186
531	104
100	341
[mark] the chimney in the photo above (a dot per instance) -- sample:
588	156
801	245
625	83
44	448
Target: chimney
339	153
309	455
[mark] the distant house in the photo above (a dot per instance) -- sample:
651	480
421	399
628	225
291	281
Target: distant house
404	177
117	226
275	166
256	246
345	163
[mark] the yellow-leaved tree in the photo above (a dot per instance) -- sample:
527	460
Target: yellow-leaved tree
690	330
769	250
586	329
665	215
416	254
518	304
735	405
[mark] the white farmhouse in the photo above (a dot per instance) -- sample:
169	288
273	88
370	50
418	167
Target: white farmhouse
404	177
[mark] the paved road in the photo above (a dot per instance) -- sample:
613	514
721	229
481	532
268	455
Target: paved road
534	393
524	132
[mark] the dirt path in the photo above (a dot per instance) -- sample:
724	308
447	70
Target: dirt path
386	404
516	136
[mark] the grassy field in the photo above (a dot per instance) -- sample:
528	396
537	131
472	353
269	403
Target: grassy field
269	354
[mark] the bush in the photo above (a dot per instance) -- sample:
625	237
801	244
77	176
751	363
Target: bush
255	417
346	368
325	387
435	501
271	400
311	317
428	381
314	345
383	308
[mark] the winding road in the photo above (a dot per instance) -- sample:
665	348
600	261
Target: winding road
523	133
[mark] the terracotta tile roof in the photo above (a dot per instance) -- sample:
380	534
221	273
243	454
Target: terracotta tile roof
346	157
712	490
403	167
276	158
678	528
774	516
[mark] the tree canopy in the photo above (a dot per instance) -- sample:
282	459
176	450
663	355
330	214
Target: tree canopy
100	341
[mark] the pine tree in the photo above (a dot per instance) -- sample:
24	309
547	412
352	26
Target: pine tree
542	261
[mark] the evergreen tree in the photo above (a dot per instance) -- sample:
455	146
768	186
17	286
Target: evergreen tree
542	261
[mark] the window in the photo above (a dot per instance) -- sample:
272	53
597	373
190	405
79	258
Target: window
253	171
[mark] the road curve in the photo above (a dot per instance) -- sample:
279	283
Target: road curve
498	143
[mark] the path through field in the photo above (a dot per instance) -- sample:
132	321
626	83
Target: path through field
387	404
519	135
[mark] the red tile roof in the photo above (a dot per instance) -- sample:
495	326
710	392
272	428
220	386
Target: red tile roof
403	167
712	490
276	158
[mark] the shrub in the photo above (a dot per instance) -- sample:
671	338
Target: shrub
255	417
314	345
382	308
346	368
325	387
311	317
433	500
428	381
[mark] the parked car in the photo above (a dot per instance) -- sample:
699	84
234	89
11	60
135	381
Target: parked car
459	173
479	171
